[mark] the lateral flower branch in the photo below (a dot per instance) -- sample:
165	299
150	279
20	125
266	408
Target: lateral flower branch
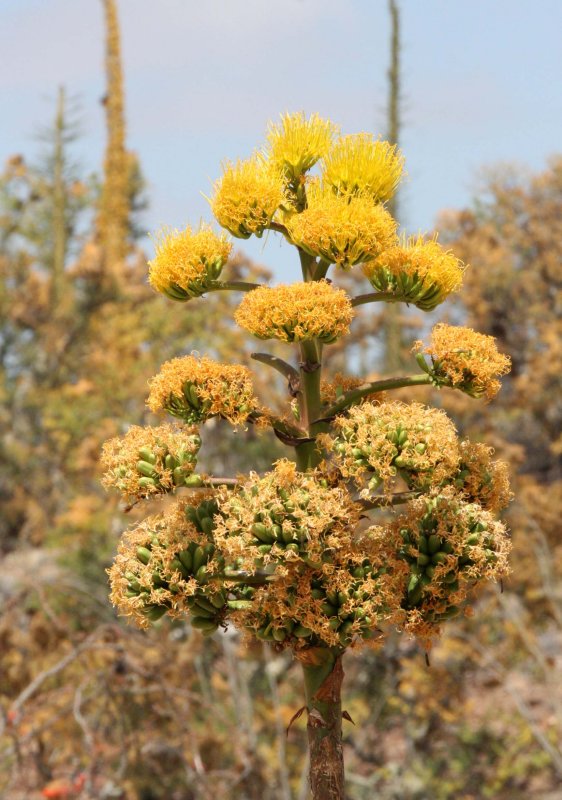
313	556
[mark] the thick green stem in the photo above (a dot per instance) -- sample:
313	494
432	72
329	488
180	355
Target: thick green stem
236	286
355	395
373	297
323	677
308	456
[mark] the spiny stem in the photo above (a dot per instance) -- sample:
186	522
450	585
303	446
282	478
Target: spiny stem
355	395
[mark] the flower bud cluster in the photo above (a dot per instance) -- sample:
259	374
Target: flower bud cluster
166	565
195	389
376	444
450	546
148	461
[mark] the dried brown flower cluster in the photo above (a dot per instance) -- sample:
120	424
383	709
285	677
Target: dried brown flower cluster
467	360
148	461
296	313
376	444
195	389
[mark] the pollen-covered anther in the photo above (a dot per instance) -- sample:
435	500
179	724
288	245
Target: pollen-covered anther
195	389
247	196
148	461
361	163
297	143
377	444
295	313
341	229
467	360
416	271
187	262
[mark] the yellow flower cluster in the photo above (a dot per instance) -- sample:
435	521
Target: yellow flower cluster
153	572
416	271
297	143
327	585
195	389
284	516
247	196
361	163
482	480
450	546
296	313
378	443
341	229
187	262
467	360
147	461
341	605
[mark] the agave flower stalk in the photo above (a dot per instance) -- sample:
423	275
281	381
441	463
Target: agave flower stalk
305	557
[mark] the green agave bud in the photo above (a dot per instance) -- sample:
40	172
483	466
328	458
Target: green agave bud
143	554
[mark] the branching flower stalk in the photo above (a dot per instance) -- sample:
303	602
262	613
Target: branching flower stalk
379	517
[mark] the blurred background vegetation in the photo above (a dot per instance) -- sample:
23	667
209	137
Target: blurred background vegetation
91	708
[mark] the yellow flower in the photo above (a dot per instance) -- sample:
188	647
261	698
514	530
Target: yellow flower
187	262
297	143
297	312
247	196
467	360
416	271
377	443
195	389
148	461
360	163
344	230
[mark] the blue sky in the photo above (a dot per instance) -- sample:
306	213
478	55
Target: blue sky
482	84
